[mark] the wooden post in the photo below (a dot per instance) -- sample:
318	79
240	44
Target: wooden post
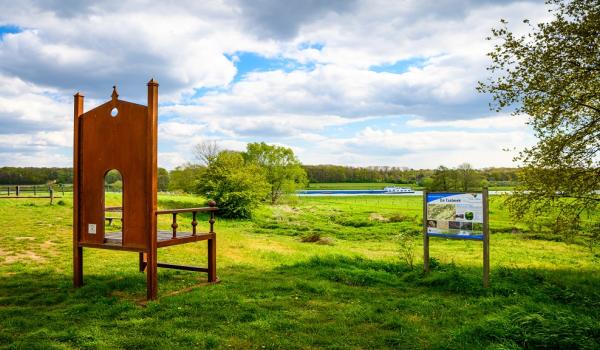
212	259
151	180
142	261
174	225
486	239
194	223
34	191
212	246
425	235
51	196
18	190
77	249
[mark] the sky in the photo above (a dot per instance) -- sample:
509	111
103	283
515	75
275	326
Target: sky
347	82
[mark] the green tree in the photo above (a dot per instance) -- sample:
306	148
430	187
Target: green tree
163	179
185	178
112	176
282	169
552	75
236	185
462	178
467	178
116	186
442	179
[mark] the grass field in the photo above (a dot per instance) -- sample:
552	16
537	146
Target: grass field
350	289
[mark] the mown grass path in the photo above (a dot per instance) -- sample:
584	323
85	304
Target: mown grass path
354	292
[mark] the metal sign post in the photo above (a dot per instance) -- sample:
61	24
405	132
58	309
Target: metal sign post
425	235
486	239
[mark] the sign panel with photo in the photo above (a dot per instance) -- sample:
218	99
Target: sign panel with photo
457	215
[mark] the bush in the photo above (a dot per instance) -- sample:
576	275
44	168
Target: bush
237	187
400	218
351	221
406	248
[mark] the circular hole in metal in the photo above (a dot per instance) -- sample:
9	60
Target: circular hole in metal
114	112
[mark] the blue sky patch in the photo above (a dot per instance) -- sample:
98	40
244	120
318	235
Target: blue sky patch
247	62
309	45
9	29
399	67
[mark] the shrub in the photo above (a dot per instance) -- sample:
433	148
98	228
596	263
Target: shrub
399	218
237	187
406	248
351	221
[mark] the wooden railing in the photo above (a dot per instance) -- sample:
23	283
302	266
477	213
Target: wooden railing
27	191
211	208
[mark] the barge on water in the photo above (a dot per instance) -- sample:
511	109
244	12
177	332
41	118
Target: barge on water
386	190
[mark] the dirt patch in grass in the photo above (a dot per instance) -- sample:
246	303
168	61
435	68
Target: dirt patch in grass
316	238
378	217
287	209
24	238
50	248
23	257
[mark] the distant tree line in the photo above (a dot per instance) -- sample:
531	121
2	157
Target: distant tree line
340	173
35	176
462	178
39	176
404	175
185	178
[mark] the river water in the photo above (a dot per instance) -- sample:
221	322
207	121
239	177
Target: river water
342	193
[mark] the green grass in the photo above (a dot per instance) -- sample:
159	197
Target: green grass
353	292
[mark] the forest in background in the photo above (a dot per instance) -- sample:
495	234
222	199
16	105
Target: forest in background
179	178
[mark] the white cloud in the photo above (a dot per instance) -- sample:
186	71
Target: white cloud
421	149
501	122
171	160
90	46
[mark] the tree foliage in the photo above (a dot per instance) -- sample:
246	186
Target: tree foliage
35	176
462	178
399	175
283	170
112	176
236	185
552	75
185	178
163	179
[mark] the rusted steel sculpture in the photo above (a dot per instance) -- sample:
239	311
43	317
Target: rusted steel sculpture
122	135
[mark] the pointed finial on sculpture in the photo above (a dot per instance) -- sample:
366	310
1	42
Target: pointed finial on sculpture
115	94
152	82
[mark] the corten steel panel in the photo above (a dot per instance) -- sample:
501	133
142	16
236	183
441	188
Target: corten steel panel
105	143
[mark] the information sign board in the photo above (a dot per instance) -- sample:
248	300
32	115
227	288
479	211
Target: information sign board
457	215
